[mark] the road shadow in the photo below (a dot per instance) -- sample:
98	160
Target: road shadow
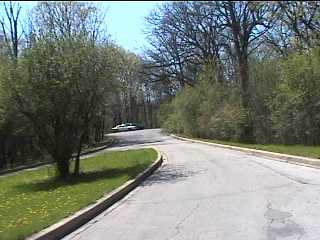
87	177
169	174
126	143
143	143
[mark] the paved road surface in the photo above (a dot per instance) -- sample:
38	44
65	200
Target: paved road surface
204	192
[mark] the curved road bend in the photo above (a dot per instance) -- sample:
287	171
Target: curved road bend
205	192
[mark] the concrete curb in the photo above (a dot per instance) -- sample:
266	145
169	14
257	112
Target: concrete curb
98	149
73	222
304	161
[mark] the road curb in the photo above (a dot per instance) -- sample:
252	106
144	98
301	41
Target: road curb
303	161
98	149
73	222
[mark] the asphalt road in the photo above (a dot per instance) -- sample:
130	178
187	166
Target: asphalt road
205	192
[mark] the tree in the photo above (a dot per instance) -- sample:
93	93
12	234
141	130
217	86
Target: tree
302	21
184	36
132	93
63	78
296	102
68	20
96	77
15	137
10	30
245	23
191	35
59	91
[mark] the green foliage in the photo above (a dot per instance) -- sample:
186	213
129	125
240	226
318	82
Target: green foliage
221	114
67	82
59	86
285	106
184	112
62	82
3	92
17	147
46	93
164	111
209	109
264	77
296	104
128	96
250	59
224	123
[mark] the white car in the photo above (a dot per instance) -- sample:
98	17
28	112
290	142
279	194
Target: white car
124	127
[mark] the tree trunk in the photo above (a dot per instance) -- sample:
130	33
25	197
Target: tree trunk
102	128
3	155
145	114
247	130
77	161
63	167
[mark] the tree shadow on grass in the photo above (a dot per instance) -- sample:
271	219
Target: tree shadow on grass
87	177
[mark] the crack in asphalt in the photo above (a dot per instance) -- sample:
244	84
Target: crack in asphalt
281	226
182	221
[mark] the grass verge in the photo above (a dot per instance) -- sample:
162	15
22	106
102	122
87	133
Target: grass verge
298	150
32	200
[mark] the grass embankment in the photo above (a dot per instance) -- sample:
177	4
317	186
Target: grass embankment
298	150
33	200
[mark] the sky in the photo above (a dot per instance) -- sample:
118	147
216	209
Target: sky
124	21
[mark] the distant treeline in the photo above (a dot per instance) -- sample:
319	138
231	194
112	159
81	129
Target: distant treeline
239	70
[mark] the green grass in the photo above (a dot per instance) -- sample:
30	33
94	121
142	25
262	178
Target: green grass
32	200
298	150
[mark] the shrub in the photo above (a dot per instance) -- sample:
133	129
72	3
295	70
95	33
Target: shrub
209	109
296	103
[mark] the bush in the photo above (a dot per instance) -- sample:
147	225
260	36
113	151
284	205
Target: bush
209	109
221	114
264	77
184	112
285	103
296	104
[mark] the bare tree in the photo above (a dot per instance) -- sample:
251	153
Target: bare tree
9	26
184	36
244	23
279	39
302	21
68	20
